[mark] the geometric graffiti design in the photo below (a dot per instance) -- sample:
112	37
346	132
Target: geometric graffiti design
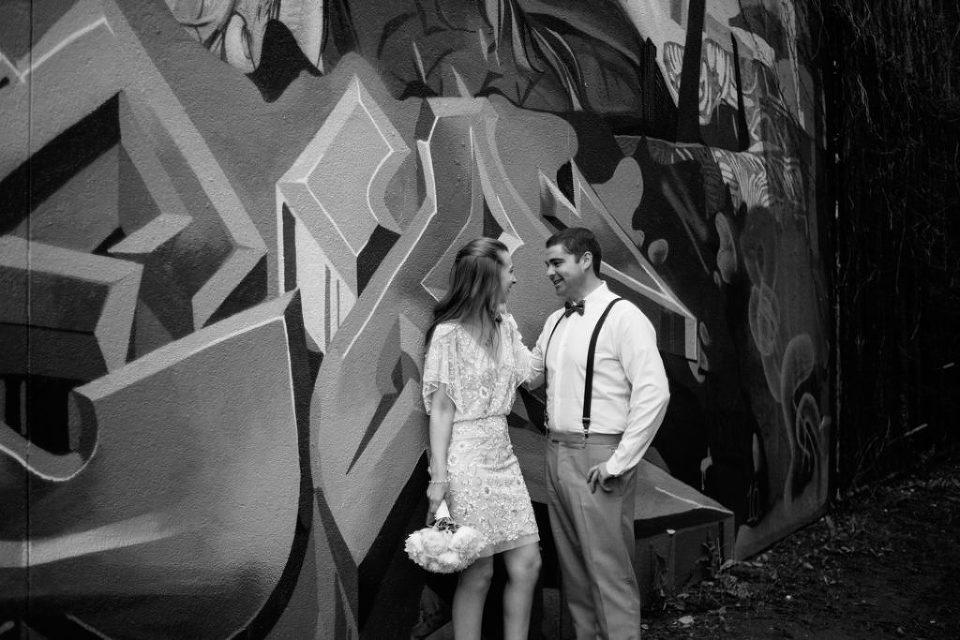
116	529
352	461
172	466
66	315
222	243
33	112
335	192
487	214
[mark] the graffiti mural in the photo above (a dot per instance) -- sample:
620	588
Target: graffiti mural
223	229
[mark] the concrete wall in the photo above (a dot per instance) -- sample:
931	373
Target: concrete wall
223	226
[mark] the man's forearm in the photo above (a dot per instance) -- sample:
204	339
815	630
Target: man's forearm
643	422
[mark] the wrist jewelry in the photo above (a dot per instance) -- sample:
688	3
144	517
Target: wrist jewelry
437	481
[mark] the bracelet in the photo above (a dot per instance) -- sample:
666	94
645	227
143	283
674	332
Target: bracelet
437	481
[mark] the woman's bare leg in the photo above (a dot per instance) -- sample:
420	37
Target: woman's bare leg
469	598
523	568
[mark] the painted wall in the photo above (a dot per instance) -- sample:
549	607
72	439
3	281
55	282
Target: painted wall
223	226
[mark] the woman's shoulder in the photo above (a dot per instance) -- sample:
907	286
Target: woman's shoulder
445	330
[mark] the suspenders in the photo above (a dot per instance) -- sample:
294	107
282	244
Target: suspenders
591	354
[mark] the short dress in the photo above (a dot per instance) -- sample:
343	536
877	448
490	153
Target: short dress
486	488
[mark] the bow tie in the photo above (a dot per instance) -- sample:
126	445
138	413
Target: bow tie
571	308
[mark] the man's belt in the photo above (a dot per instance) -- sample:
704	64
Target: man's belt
571	437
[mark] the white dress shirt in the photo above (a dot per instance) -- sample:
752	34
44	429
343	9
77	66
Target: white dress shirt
630	391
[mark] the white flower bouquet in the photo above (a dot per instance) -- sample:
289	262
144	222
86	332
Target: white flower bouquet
444	546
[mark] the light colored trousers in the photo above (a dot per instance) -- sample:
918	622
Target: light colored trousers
593	533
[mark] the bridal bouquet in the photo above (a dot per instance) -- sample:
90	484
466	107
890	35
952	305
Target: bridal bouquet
444	546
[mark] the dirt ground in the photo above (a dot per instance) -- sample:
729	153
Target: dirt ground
885	563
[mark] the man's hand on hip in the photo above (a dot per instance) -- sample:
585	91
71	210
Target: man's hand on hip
598	476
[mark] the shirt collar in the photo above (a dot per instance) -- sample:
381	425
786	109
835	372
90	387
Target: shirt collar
599	293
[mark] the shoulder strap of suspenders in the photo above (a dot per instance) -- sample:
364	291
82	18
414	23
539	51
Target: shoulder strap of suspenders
591	354
547	348
546	390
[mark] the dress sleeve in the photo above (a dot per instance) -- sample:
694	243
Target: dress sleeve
441	367
521	355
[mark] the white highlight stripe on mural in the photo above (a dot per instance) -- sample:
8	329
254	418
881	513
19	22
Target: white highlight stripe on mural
128	533
375	121
28	64
692	503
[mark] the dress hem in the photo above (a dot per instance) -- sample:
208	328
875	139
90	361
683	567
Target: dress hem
507	545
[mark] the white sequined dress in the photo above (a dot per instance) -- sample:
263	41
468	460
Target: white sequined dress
487	490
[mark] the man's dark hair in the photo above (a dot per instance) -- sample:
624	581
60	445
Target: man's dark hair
578	241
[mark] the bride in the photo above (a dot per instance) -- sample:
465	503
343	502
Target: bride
474	362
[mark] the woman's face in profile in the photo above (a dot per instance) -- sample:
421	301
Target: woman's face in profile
507	278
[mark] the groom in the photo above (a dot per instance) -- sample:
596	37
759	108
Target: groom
607	394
